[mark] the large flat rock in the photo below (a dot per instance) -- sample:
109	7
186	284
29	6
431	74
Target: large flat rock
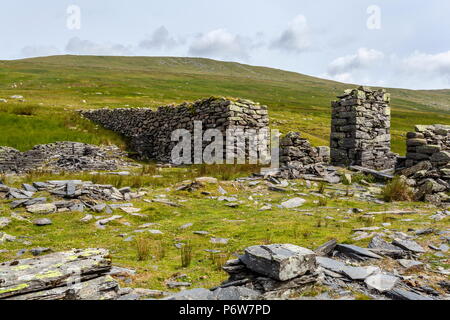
279	261
51	271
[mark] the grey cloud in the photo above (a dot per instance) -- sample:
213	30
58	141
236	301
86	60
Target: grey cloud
79	46
160	39
363	58
220	44
39	51
296	38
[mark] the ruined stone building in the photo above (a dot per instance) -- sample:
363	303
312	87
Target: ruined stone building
360	129
150	132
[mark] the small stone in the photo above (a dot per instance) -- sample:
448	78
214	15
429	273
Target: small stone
42	208
39	251
219	240
186	226
409	264
87	218
42	222
293	203
130	210
4	222
409	245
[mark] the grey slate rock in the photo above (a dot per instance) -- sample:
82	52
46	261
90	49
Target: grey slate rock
409	245
400	294
235	293
193	294
359	273
279	261
330	264
42	222
355	250
38	251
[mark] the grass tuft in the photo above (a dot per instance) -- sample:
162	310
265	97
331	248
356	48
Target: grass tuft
397	190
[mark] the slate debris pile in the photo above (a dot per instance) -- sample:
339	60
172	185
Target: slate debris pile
285	271
62	156
77	196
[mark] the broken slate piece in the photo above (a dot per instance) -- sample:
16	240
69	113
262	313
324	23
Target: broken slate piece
381	282
409	264
409	245
355	250
359	273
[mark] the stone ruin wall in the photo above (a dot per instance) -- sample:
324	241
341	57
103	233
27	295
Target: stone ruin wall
427	161
150	131
428	143
360	130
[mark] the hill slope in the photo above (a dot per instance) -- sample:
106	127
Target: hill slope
53	87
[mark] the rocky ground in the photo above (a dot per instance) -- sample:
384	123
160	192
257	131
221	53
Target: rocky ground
165	238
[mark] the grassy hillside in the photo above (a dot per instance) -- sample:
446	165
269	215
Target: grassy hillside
54	87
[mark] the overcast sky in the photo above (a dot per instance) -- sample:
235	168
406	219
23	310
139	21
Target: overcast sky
392	43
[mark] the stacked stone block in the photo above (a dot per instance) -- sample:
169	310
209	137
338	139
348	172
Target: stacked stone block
360	129
431	143
150	131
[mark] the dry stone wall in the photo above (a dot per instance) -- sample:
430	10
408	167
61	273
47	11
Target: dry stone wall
360	129
428	143
150	131
427	164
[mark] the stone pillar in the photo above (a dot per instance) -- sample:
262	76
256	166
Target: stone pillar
360	129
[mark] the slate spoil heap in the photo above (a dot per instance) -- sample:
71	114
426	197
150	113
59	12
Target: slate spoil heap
286	271
428	162
62	156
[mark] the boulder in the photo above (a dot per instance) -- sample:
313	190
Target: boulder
279	261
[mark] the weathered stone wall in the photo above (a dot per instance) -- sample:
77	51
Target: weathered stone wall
150	131
360	129
428	143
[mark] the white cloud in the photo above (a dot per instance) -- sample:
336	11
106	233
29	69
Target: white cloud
78	46
160	39
364	58
429	64
39	51
219	44
296	38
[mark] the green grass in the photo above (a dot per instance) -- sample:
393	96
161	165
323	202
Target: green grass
156	258
55	87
